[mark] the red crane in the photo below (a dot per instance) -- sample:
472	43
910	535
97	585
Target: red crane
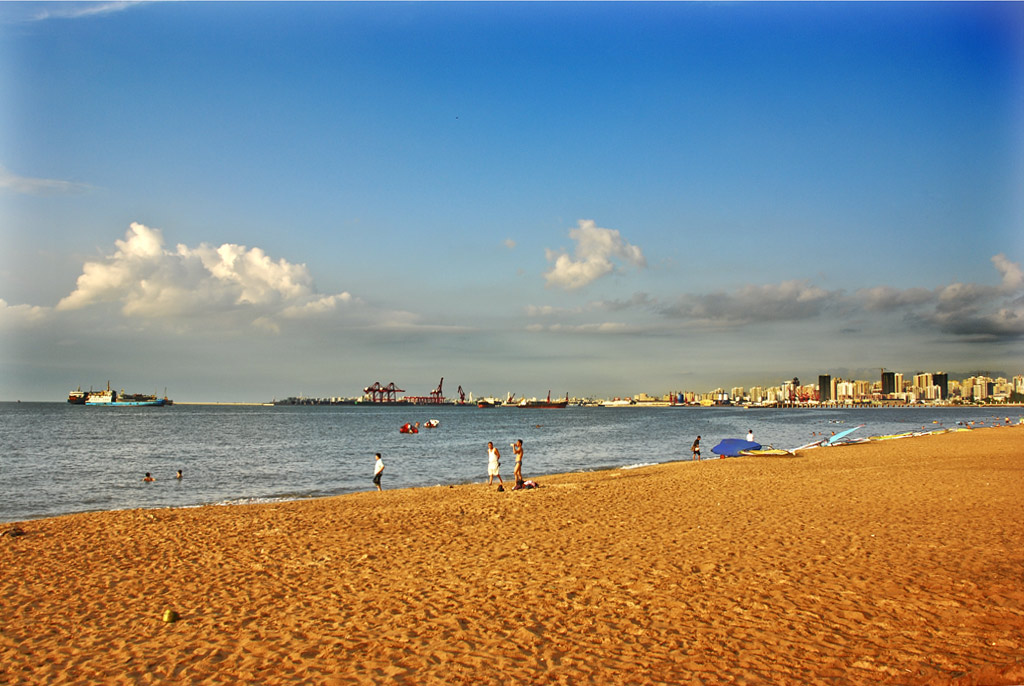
383	394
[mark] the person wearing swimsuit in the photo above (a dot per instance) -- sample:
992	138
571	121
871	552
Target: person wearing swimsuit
517	449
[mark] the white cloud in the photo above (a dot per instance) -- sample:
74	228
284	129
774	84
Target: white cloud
148	281
595	248
596	327
509	243
321	306
77	10
25	185
1013	276
12	315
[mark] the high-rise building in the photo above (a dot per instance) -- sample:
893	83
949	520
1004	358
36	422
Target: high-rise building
825	388
941	379
889	383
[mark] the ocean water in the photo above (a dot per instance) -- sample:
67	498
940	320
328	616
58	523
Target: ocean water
58	459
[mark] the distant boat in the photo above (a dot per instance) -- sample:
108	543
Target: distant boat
618	402
546	404
79	396
111	398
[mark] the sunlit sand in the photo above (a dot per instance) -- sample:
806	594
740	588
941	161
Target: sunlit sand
896	562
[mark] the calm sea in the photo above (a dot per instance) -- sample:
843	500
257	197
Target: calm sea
57	458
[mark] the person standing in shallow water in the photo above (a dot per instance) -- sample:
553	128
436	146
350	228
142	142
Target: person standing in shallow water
695	450
494	465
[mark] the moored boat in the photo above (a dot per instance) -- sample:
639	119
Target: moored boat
545	404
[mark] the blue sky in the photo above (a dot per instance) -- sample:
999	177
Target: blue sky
246	201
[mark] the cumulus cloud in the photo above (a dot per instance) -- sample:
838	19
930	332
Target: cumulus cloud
11	315
147	280
25	185
1013	276
983	313
977	312
593	256
968	311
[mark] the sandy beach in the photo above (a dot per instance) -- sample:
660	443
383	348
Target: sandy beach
897	562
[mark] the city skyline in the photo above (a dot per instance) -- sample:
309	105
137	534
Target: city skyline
239	201
902	384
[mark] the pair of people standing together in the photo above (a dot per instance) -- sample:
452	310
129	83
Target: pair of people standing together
494	464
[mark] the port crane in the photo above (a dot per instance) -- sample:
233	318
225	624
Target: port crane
383	394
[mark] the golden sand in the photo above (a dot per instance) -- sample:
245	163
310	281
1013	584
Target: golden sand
895	562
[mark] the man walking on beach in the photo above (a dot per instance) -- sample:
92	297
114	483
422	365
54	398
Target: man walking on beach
378	470
695	449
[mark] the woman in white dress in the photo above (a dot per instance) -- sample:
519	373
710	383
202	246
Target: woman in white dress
493	465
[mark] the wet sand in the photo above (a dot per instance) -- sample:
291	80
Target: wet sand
897	562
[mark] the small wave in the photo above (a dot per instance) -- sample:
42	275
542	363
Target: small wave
638	465
258	501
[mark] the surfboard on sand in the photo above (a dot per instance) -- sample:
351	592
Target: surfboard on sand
832	440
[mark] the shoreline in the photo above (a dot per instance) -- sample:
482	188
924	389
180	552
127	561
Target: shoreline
244	501
894	561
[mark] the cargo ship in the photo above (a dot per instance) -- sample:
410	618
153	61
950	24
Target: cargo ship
546	404
79	396
112	398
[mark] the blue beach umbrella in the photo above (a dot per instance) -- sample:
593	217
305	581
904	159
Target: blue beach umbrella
731	447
